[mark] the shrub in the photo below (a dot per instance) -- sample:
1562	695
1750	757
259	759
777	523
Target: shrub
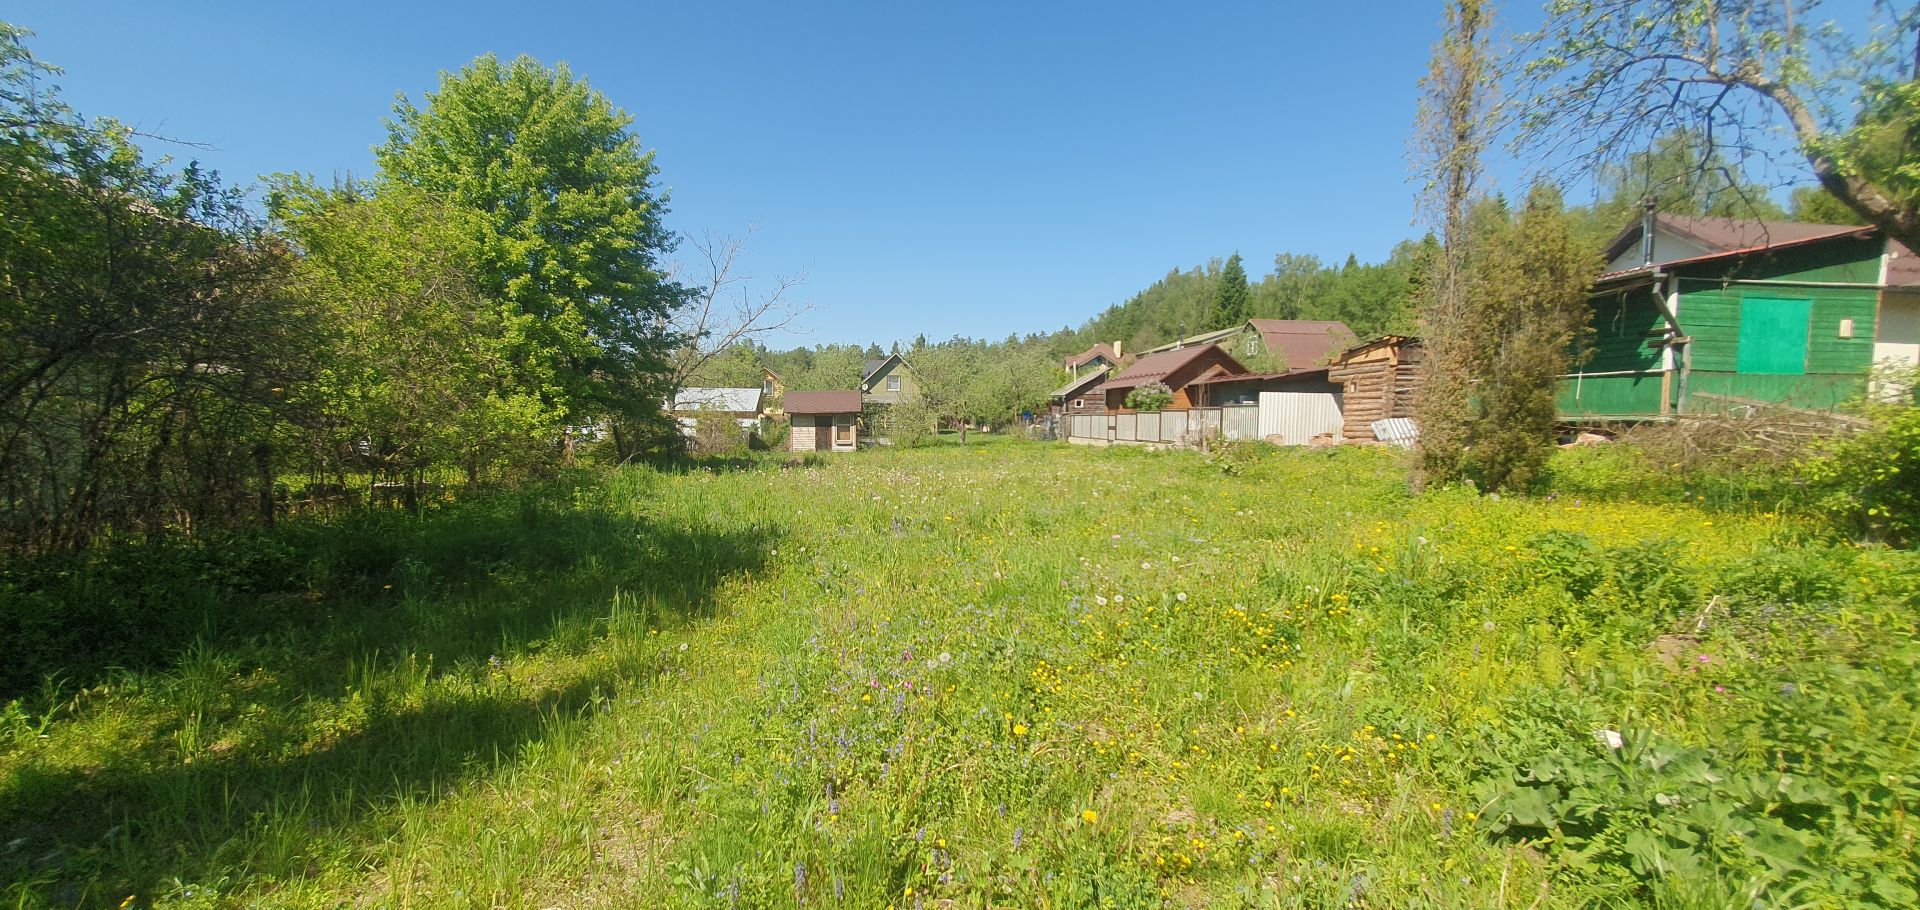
1150	397
1871	483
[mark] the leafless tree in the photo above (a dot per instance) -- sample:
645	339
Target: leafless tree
728	308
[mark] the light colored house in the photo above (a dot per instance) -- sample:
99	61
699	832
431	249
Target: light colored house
824	421
743	405
887	380
1378	381
772	390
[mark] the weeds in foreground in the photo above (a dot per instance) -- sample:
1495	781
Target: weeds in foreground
1004	675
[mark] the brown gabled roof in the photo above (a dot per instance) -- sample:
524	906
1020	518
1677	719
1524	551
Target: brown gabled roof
1726	237
833	402
1304	343
1154	367
1100	349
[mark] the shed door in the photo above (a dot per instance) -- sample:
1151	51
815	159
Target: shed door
1773	335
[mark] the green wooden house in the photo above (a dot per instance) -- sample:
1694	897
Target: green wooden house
888	380
1708	315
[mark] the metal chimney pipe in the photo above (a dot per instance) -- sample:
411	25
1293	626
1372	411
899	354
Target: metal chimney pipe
1647	208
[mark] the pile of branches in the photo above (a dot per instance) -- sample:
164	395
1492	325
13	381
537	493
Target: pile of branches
1754	436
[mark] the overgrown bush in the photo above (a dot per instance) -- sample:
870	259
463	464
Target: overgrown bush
1871	483
1150	397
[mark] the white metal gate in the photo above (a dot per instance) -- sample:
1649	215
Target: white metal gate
1296	417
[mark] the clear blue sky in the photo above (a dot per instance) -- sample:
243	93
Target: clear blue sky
972	168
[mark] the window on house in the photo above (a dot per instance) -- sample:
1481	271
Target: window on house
1252	344
893	383
1079	403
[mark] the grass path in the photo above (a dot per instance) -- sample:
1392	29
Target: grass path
997	675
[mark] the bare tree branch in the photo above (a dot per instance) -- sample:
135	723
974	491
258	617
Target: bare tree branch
728	309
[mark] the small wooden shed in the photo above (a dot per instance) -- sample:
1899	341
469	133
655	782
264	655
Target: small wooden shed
823	421
1378	381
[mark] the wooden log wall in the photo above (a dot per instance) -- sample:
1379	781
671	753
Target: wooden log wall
1377	385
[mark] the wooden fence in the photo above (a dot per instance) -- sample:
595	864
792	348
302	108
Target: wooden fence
1289	418
1171	428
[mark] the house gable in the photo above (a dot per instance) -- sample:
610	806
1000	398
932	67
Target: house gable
888	380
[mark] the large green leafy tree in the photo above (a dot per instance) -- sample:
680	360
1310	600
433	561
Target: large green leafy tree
415	369
1605	78
569	224
1231	305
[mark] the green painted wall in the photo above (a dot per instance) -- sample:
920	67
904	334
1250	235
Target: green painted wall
878	391
1709	392
1623	331
1712	302
1609	396
1711	315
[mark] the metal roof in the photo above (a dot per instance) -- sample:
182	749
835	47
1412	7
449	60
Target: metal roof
1726	237
838	401
1303	343
1153	367
1254	377
1079	383
731	401
1100	349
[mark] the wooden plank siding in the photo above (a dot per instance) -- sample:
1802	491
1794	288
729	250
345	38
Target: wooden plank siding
1706	370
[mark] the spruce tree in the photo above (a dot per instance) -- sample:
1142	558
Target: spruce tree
1231	304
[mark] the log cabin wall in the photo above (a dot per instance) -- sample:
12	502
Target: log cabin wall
1379	381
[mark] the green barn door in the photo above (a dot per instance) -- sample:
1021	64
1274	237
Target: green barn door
1773	335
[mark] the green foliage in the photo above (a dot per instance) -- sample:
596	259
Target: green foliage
1871	483
1815	205
839	678
1151	396
1231	306
414	362
146	337
564	217
1487	411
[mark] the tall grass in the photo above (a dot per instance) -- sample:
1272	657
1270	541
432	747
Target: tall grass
983	676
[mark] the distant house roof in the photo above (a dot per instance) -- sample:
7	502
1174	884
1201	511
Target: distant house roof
1257	377
731	401
873	366
1100	349
1154	367
838	401
1304	343
1726	237
1381	341
1301	342
1079	384
1202	339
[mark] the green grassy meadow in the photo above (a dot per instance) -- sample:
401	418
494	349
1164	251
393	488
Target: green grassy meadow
998	675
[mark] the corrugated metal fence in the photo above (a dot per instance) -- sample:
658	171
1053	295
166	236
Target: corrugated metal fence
1292	417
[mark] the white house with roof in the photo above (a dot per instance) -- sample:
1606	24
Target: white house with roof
743	405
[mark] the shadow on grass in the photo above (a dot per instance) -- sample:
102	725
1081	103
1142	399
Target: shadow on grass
438	649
